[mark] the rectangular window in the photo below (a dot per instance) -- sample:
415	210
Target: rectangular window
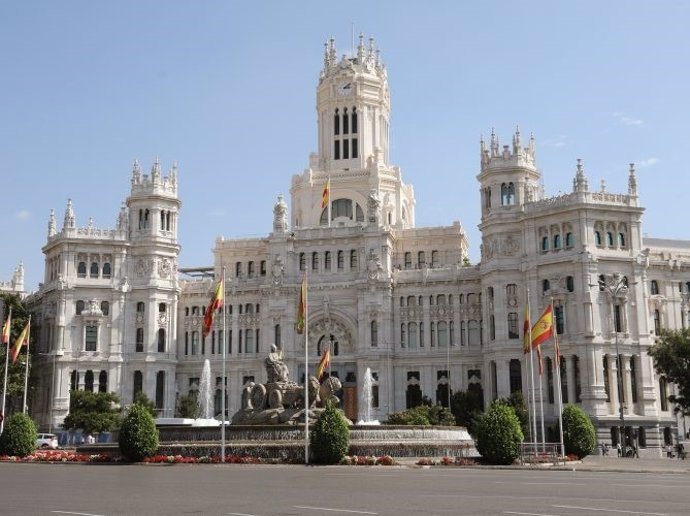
336	149
91	338
355	152
559	316
346	149
513	332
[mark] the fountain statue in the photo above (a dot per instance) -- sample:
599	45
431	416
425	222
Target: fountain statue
279	400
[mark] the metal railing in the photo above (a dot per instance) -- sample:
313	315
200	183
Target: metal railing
539	453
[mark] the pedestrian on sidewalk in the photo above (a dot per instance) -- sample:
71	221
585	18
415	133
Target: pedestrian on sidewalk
619	449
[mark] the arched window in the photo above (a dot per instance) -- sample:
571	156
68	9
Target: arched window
492	327
597	238
340	258
81	270
434	258
249	341
140	340
663	393
408	260
277	336
621	242
315	261
609	239
557	241
105	308
107	270
103	382
327	260
569	240
336	123
238	269
140	307
161	340
160	389
88	381
353	259
262	268
138	383
79	307
657	322
507	194
302	261
346	123
545	285
513	332
162	308
421	258
250	269
93	271
412	331
545	243
570	283
374	334
654	287
354	123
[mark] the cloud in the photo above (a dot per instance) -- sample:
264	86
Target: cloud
624	119
556	141
22	215
646	163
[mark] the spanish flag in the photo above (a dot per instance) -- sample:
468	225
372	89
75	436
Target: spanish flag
302	306
323	363
543	328
21	341
213	306
525	331
326	196
6	330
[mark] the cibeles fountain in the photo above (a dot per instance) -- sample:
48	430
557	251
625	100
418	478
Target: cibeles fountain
270	424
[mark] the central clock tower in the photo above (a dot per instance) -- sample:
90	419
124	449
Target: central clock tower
353	116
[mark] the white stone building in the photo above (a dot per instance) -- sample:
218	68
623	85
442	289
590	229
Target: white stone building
386	295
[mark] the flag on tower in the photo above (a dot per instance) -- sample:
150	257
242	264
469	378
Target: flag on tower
302	306
22	340
543	328
326	196
6	330
215	304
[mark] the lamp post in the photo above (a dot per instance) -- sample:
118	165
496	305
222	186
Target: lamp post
617	288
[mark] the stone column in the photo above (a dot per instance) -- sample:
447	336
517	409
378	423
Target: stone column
570	372
613	384
627	386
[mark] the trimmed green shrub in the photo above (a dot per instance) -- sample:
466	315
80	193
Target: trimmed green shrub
139	437
579	436
330	436
498	434
19	436
423	415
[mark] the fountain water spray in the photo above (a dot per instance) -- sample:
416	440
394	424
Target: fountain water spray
368	399
205	400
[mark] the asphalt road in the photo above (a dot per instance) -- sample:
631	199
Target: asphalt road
242	490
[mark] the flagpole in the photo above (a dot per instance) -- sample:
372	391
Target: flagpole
531	368
306	365
329	200
26	367
560	393
8	321
541	406
223	395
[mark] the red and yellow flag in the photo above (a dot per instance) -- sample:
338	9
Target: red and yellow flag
543	328
525	331
6	331
213	306
302	306
326	196
323	363
22	340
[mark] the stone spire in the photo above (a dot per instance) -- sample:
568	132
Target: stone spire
122	218
52	224
156	172
280	215
517	142
69	222
632	181
136	172
173	174
360	49
580	181
494	143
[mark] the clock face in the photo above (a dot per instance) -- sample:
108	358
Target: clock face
344	88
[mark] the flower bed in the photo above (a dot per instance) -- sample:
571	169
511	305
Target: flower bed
366	460
446	461
59	456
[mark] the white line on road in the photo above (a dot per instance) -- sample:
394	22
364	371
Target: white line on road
609	510
238	514
332	510
540	483
77	513
529	513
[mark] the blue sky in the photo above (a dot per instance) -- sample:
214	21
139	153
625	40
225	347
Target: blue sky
226	89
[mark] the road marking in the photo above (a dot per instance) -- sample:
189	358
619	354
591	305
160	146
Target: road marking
609	510
332	510
77	513
539	483
529	513
238	514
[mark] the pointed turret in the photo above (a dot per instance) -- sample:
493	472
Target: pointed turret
156	172
632	181
122	218
280	224
52	224
136	173
517	142
69	222
580	183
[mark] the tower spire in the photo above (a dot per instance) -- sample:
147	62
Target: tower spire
52	224
69	221
580	181
632	181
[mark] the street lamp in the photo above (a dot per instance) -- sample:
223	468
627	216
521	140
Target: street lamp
617	288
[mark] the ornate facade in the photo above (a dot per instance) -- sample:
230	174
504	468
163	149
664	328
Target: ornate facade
384	294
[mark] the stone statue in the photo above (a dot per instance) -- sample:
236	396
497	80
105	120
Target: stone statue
276	370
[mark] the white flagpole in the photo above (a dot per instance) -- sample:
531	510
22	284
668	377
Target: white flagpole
531	368
541	409
329	200
560	393
306	366
223	391
26	367
7	361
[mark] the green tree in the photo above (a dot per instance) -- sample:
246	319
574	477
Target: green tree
330	436
466	406
142	399
423	415
139	438
671	355
517	401
19	436
187	406
498	434
93	412
579	436
16	370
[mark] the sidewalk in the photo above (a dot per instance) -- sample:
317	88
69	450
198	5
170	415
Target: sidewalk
630	465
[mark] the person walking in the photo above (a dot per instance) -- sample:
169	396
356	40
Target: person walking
619	449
